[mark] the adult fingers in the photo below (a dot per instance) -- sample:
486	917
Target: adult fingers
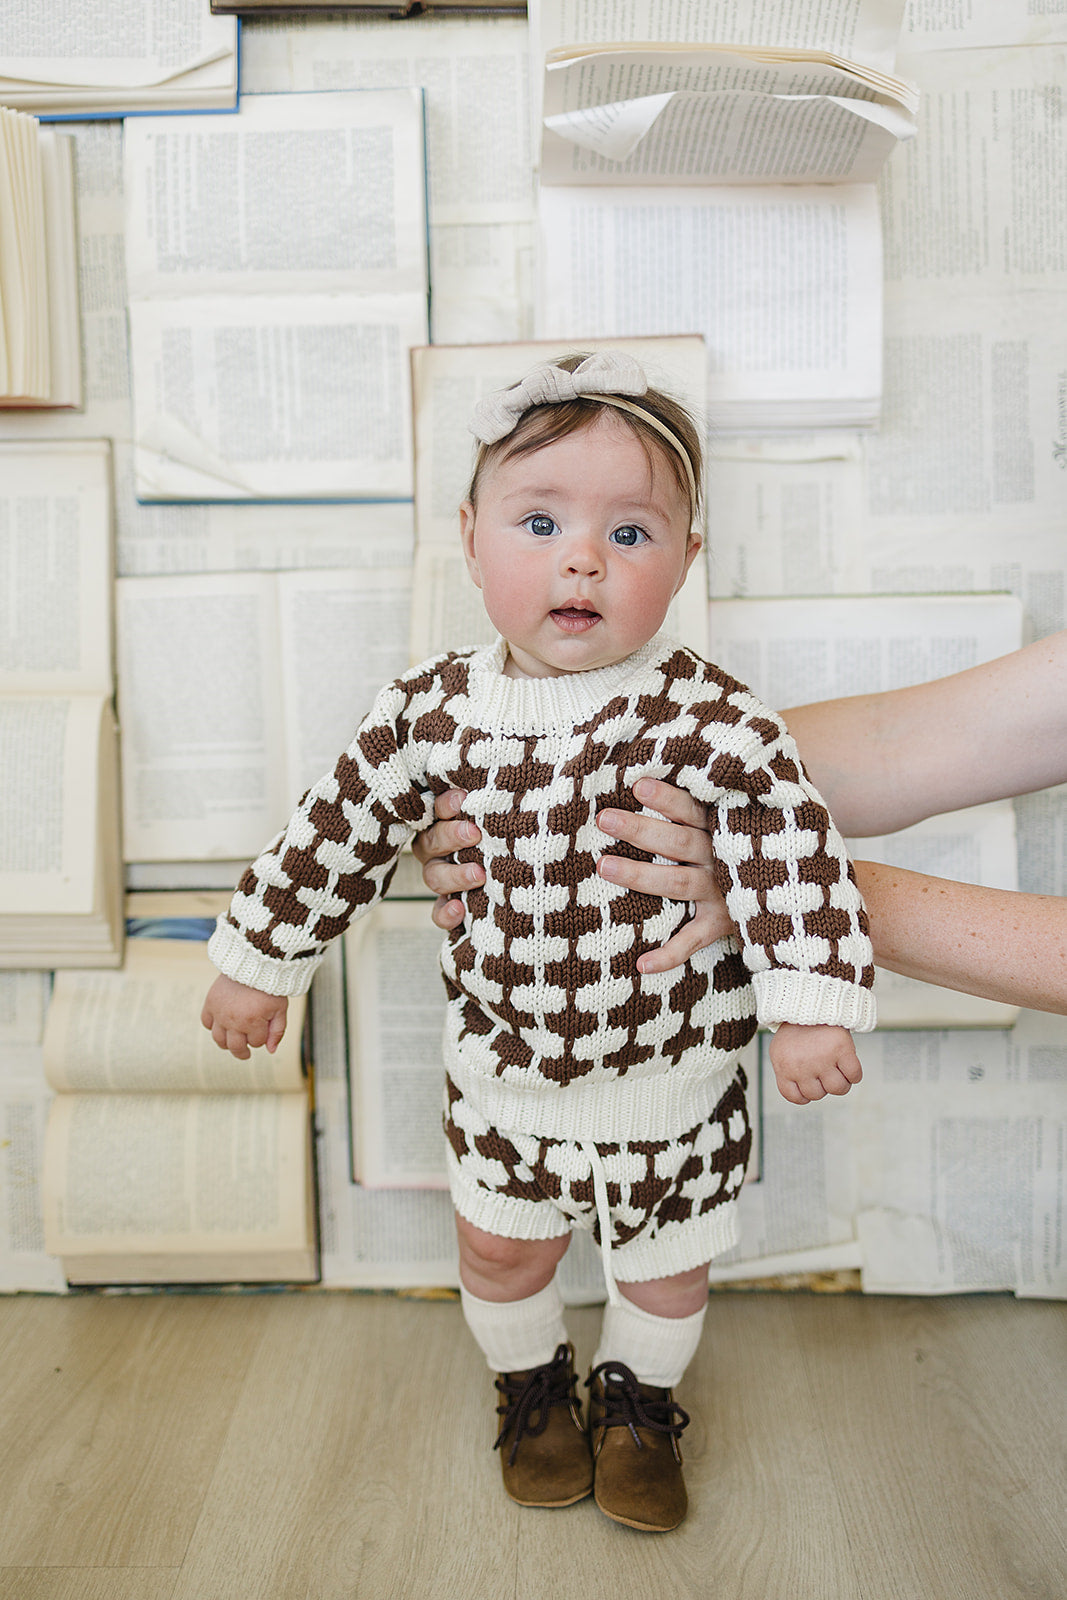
703	928
670	802
444	838
447	914
660	879
689	844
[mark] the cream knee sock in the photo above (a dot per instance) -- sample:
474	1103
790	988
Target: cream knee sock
515	1335
656	1349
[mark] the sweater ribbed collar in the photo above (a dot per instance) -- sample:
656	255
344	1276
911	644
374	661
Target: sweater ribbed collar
539	705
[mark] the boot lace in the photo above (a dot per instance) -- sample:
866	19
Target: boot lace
624	1406
551	1384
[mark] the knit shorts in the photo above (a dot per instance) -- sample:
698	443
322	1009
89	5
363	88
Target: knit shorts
672	1203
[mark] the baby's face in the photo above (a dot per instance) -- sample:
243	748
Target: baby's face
578	549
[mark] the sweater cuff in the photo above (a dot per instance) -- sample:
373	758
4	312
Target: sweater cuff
237	959
813	1000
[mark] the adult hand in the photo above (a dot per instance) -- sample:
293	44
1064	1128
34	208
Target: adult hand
434	848
679	832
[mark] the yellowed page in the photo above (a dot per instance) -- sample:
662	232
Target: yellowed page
139	1029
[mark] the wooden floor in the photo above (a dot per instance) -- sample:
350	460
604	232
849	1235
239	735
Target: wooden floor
313	1446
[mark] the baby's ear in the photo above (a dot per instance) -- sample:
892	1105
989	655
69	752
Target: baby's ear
466	534
693	550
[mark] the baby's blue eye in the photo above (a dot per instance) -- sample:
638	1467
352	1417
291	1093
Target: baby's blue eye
541	525
628	536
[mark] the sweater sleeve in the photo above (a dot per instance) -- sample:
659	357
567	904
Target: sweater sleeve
789	885
333	861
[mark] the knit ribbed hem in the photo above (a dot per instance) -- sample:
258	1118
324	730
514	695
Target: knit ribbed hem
686	1246
237	959
544	705
660	1106
502	1214
813	1000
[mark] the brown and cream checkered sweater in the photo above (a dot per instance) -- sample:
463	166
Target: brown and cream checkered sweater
542	980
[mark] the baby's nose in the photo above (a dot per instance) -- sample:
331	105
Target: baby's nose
582	557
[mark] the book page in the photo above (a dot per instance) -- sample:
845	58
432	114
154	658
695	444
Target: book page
277	262
473	72
157	539
199	698
55	566
865	30
201	1174
273	396
712	116
24	1101
125	43
730	139
342	636
792	652
139	1029
621	262
297	194
396	1012
944	25
986	373
48	842
958	1140
786	527
970	205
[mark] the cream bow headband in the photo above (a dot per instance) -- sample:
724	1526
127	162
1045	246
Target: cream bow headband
606	376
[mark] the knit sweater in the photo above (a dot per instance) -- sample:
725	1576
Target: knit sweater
542	979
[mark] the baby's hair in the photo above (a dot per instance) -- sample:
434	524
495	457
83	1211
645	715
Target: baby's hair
545	424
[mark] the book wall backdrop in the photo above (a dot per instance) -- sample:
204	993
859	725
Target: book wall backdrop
925	460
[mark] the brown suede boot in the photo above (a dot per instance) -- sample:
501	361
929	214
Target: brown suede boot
634	1431
544	1449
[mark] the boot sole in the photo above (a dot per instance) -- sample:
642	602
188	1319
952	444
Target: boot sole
642	1527
549	1505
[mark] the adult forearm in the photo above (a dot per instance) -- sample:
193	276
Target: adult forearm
990	942
884	761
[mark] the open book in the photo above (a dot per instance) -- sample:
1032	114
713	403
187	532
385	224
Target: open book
447	381
718	113
238	690
166	1159
60	856
276	263
40	339
64	59
712	168
794	651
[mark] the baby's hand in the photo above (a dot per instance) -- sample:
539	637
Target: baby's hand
812	1062
237	1016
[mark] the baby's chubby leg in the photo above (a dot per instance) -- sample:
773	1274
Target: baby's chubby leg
513	1307
646	1343
499	1269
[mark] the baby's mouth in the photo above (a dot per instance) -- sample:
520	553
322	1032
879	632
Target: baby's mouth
576	619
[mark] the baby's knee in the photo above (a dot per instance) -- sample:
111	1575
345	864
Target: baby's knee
490	1260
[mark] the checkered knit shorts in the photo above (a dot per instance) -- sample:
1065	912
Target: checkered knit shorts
672	1203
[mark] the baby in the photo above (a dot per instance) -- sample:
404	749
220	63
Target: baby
580	1092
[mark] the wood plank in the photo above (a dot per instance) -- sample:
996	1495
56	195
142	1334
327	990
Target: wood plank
113	1421
348	1467
314	1446
944	1423
87	1583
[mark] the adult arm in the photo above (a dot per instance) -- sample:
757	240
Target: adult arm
884	761
990	942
